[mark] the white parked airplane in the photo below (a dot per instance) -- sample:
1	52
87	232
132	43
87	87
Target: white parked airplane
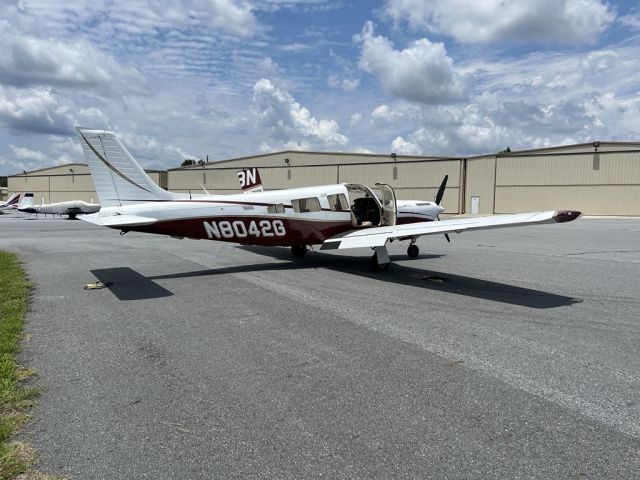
71	207
11	204
334	216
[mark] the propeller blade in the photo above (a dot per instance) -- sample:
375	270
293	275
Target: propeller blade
440	193
446	235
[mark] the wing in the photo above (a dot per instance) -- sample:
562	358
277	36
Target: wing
378	236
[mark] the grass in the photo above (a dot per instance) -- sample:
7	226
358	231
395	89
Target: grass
15	398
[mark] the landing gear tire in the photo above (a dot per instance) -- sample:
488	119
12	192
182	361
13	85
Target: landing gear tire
413	250
376	267
298	251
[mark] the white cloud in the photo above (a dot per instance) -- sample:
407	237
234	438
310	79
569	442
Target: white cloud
540	21
30	61
127	18
291	124
233	17
384	112
632	20
150	152
422	72
403	147
36	110
346	84
24	153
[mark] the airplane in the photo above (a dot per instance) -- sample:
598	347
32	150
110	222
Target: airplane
11	204
72	208
340	216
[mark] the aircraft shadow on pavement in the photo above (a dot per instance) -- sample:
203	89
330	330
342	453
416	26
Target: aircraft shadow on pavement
399	274
127	284
417	277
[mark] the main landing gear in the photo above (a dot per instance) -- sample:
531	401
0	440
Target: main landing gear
298	251
413	250
380	260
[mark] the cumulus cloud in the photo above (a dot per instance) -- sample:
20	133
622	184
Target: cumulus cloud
384	112
289	123
35	110
542	21
422	72
403	147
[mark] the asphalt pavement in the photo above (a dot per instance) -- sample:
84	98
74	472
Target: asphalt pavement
510	354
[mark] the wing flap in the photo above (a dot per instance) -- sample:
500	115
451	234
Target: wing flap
378	236
118	221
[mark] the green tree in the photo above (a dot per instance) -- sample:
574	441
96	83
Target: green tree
187	162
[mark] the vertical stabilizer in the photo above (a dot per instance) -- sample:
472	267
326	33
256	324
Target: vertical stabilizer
27	201
118	178
13	200
250	181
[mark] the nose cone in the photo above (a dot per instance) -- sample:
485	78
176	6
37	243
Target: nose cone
440	209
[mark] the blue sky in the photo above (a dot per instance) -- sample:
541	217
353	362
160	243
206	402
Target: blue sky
189	78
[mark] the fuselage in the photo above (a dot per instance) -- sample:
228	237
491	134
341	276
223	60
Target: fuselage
71	207
299	216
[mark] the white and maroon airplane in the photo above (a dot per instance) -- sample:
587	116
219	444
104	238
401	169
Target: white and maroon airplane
334	216
11	204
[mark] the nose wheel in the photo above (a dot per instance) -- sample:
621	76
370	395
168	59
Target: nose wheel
413	250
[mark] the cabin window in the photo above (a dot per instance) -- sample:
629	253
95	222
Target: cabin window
277	208
338	202
302	205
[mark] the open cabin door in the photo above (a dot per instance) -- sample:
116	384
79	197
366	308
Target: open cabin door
388	204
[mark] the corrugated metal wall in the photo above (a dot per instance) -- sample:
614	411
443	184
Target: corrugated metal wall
602	182
59	184
480	177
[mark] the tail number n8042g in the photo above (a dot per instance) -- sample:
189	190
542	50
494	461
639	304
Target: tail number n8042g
239	229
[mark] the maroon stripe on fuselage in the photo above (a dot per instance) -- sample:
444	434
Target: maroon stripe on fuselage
297	231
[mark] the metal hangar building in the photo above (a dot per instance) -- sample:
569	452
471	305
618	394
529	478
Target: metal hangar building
598	178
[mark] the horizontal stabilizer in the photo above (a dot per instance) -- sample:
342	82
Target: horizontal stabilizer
118	221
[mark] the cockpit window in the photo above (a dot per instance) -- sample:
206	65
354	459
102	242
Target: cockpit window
338	202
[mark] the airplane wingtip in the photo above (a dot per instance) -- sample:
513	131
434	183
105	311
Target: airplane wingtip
563	216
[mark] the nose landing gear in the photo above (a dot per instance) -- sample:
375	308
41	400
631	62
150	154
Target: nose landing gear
413	250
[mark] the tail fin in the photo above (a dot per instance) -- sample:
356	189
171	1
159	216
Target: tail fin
13	200
118	178
250	180
27	201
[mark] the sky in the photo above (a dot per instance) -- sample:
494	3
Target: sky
180	79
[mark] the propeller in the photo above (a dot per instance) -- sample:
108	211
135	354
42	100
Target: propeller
438	199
